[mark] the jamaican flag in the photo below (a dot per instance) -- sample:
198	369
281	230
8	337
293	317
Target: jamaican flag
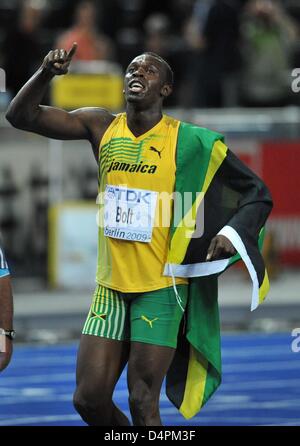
229	199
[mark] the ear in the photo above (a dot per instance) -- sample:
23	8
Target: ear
166	90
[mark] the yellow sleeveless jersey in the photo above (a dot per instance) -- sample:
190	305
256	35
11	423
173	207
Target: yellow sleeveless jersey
146	162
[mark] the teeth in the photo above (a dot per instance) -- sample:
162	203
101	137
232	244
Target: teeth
136	84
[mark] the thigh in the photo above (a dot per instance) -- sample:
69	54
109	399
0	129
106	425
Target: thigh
100	362
155	316
104	345
147	367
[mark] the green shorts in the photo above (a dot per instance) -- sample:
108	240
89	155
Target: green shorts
153	317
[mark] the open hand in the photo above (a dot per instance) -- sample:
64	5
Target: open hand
58	61
220	248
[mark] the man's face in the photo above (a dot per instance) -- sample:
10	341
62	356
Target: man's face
144	80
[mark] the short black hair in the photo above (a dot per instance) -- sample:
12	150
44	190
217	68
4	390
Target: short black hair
168	70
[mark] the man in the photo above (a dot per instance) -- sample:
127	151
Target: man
6	314
136	313
92	45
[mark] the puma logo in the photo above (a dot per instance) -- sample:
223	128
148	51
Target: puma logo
144	318
155	150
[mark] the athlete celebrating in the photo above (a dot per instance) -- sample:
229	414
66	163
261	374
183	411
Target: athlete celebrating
6	314
137	308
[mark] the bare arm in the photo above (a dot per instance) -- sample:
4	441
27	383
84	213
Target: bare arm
6	303
6	319
26	113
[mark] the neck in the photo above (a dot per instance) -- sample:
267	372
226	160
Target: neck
140	121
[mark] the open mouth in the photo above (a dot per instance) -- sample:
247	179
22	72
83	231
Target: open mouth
136	86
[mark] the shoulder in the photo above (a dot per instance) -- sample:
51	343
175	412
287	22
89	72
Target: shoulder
202	133
98	112
94	116
96	121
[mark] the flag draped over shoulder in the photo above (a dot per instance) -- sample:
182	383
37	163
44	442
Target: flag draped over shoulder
228	199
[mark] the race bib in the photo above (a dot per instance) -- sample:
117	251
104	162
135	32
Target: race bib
129	213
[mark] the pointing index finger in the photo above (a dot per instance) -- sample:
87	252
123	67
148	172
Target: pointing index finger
72	51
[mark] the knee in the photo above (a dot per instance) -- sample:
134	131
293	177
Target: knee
83	402
88	407
142	401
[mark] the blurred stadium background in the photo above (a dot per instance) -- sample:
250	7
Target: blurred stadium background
233	62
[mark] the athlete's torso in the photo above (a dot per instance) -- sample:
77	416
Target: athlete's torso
146	163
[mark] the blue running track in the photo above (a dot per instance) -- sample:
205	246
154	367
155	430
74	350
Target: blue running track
261	386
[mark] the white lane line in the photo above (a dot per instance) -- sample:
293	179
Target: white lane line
237	399
48	399
55	377
259	350
21	396
259	405
261	384
38	419
44	361
262	366
285	424
228	420
43	419
121	396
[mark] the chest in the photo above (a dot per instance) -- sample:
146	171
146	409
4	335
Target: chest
142	162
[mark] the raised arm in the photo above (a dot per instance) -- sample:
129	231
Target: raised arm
26	113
